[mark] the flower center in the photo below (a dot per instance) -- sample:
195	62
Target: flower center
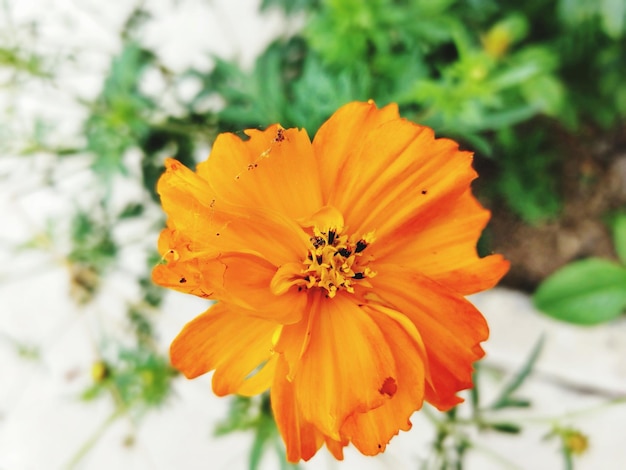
337	262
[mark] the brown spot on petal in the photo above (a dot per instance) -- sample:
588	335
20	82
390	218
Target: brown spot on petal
389	387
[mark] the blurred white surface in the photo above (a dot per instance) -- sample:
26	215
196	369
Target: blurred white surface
43	424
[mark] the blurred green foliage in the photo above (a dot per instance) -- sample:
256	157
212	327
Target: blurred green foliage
255	415
495	76
455	431
17	60
138	379
119	117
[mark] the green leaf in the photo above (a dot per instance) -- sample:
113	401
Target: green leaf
619	237
505	399
544	93
509	428
242	416
510	117
119	115
514	403
290	7
133	209
92	392
265	432
474	391
585	292
613	14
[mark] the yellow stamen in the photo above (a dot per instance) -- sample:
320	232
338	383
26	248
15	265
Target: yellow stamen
335	261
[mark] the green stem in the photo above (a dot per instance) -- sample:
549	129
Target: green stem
88	445
504	462
569	414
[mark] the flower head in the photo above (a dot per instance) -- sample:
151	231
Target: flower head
339	267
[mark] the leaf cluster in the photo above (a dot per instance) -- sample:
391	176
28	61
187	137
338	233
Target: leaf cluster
492	75
255	415
137	378
453	439
456	433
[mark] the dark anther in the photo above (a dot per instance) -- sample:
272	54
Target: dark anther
182	280
310	256
424	191
360	246
344	252
318	241
358	276
319	259
331	236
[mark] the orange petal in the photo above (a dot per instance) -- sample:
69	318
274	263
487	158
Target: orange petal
450	326
215	339
339	140
193	275
274	169
247	280
302	439
241	279
443	247
255	383
293	340
185	183
327	217
343	366
410	174
336	447
371	431
211	225
399	164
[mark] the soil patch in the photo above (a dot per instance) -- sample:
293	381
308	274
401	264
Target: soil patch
592	175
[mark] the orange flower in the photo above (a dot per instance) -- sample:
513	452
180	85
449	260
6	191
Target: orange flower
339	267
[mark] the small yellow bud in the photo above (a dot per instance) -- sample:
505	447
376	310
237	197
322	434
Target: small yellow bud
497	41
575	442
99	371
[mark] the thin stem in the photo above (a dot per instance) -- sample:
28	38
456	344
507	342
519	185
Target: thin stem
506	463
88	445
575	413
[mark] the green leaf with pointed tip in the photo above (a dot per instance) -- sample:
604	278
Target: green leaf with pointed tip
506	399
585	292
619	237
508	428
514	403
